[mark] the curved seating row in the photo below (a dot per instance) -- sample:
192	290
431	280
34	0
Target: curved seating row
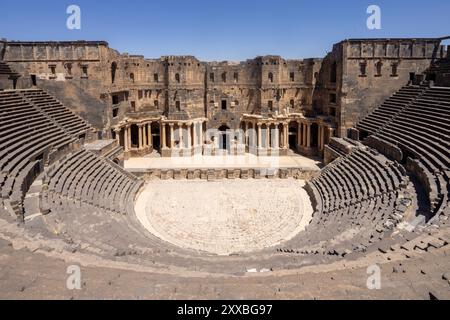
86	177
357	199
72	123
27	139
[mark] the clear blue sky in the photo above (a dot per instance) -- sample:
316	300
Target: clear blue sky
222	29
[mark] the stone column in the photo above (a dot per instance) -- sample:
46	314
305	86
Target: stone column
129	137
117	131
194	133
163	135
267	135
286	136
259	136
276	138
171	136
201	134
125	139
139	137
281	136
246	139
180	135
189	138
144	136
299	134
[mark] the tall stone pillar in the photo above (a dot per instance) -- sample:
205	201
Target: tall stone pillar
163	135
139	137
189	138
129	137
276	138
171	136
117	131
144	136
299	134
268	136
194	133
201	134
259	136
125	139
286	136
180	136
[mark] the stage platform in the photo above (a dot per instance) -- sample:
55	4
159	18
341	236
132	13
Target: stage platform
216	167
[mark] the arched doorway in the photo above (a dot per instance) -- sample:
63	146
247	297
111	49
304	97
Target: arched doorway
224	139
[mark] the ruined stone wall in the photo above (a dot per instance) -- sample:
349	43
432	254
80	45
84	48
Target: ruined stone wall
182	87
90	75
368	72
75	72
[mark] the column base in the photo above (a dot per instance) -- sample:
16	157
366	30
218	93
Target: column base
166	152
309	151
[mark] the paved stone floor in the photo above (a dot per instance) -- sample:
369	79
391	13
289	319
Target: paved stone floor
206	162
227	216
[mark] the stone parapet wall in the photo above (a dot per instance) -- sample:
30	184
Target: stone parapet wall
219	174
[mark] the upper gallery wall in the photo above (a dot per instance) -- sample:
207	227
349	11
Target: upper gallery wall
106	86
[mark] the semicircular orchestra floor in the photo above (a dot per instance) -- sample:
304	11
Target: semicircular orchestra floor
224	217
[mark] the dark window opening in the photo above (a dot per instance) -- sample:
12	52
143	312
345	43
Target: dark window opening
412	76
156	103
333	72
115	99
363	69
177	77
332	112
224	77
270	105
133	105
132	77
178	105
236	77
292	76
394	70
211	77
115	112
379	67
113	72
33	80
292	103
333	98
271	77
224	104
156	77
69	69
84	70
